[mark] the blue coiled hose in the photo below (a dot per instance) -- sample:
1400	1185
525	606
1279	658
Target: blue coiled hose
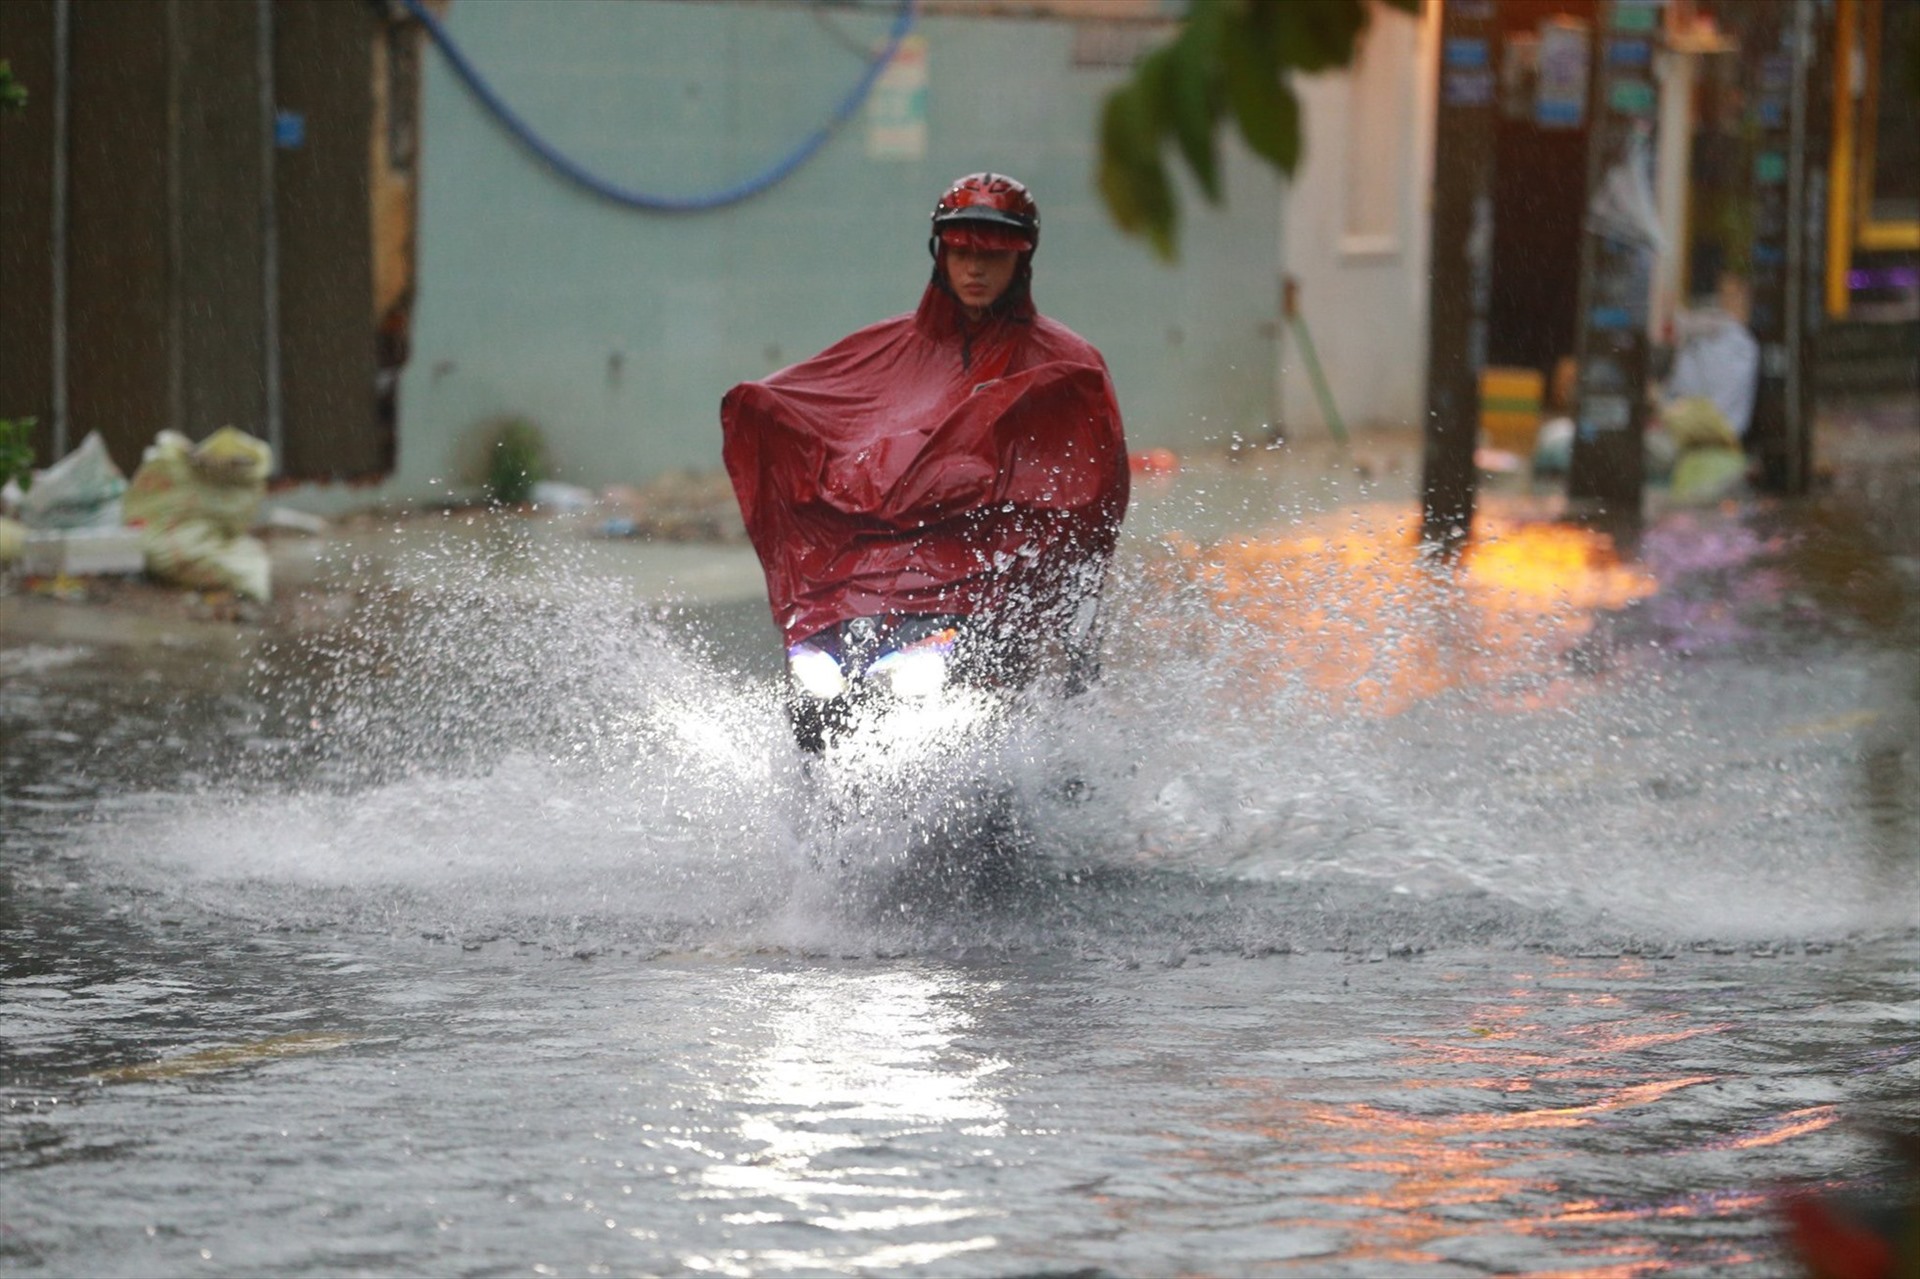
574	172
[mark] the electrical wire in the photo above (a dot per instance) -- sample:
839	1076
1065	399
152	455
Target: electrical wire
578	174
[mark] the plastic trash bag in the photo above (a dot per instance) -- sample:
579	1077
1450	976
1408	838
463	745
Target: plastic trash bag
195	503
81	490
222	480
1696	422
1709	474
195	554
1624	206
1553	447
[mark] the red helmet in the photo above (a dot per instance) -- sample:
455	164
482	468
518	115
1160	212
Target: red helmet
987	211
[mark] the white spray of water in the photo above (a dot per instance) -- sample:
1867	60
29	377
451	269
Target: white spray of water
479	758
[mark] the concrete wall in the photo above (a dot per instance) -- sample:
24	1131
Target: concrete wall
1358	231
618	332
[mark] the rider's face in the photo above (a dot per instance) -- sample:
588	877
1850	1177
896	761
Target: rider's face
978	277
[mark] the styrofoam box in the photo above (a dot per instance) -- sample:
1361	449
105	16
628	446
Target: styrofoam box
80	552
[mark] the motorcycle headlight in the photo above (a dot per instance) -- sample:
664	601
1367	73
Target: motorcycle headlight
916	673
815	671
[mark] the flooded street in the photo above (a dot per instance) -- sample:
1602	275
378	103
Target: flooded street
1544	918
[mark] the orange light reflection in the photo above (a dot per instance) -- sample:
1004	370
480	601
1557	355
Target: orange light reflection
1795	1123
1355	613
1472	1162
1376	1120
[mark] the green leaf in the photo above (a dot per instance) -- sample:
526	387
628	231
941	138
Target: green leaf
1131	177
1230	58
1194	95
16	451
1268	114
1314	35
1153	85
1119	156
1129	139
13	94
1163	213
1251	23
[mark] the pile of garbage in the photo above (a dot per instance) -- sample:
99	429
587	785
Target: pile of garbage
682	506
183	519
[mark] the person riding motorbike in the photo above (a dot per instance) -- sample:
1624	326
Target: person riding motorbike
953	478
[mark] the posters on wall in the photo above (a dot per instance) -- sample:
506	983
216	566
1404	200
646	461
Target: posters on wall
1560	97
897	106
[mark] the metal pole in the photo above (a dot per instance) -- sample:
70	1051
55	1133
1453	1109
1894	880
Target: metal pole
62	143
1461	267
1778	56
1607	471
1798	419
176	232
1277	423
1297	324
269	231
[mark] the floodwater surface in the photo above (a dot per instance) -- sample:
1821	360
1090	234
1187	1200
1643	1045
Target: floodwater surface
1547	915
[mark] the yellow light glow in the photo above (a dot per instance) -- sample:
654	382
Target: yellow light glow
1351	608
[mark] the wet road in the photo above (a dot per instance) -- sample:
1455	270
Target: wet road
1542	919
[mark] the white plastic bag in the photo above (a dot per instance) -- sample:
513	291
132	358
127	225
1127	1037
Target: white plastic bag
81	490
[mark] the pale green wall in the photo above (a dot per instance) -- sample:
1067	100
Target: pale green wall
527	285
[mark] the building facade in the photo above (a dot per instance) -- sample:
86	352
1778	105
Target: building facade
616	331
294	217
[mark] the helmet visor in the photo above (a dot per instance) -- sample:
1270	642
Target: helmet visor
980	238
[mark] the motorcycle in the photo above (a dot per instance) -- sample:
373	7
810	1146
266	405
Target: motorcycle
909	725
934	670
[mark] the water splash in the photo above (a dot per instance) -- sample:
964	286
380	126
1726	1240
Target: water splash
1305	738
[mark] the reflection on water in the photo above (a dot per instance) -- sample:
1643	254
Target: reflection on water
504	934
210	1060
1351	607
854	1069
1466	1147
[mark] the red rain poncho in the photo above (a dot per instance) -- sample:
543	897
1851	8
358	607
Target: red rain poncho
928	464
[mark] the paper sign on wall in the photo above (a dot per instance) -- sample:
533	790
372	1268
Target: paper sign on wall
1560	100
897	106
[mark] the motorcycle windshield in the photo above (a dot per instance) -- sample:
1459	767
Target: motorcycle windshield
927	464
